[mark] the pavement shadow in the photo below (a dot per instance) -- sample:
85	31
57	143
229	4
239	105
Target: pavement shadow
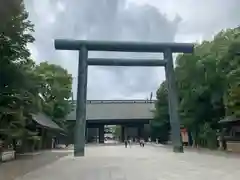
27	163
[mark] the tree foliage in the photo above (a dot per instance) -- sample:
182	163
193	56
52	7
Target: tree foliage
15	99
56	90
160	128
25	87
208	84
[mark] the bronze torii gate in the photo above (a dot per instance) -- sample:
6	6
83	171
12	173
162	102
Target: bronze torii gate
83	46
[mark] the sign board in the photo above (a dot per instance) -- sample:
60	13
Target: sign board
184	135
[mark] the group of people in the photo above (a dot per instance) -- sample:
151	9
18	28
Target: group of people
129	142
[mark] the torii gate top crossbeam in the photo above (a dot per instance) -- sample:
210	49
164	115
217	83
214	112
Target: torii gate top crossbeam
66	44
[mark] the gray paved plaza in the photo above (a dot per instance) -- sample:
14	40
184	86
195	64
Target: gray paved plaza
136	163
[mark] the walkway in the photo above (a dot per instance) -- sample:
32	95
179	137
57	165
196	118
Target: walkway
28	163
136	163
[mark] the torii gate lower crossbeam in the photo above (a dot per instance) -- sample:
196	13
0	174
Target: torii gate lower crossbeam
84	46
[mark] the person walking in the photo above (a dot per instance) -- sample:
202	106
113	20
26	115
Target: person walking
142	142
149	139
130	142
126	143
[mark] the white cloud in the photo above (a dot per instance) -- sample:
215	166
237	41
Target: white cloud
136	20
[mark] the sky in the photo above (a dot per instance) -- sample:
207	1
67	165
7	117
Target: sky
124	20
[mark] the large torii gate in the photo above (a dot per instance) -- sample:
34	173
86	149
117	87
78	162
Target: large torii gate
83	46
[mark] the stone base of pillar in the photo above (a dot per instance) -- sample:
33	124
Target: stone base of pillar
101	141
79	153
178	149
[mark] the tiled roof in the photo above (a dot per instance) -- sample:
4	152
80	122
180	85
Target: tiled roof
229	119
117	109
45	121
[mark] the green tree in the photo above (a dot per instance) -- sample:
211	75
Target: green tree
23	83
117	131
208	85
232	93
160	125
15	99
56	89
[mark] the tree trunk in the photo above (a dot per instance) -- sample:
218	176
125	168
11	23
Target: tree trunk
14	143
